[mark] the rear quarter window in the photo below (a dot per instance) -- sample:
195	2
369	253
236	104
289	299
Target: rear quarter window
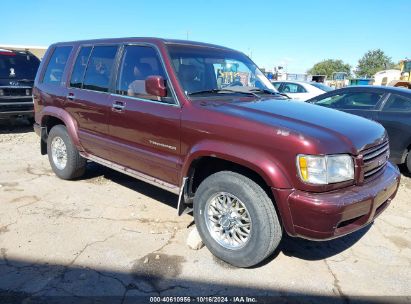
56	65
397	103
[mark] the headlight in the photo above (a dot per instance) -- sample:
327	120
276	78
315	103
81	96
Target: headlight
322	170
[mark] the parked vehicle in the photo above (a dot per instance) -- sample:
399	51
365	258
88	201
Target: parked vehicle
361	81
203	122
339	80
301	90
385	77
390	106
17	72
395	78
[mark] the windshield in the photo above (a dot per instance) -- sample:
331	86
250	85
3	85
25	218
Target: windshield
321	86
18	65
208	70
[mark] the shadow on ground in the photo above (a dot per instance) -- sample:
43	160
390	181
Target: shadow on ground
26	282
95	171
297	247
15	126
312	250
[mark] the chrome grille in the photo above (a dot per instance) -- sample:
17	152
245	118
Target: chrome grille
375	159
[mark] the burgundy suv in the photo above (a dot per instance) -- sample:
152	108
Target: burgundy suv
203	122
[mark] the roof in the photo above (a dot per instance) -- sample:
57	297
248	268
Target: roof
146	39
295	81
378	88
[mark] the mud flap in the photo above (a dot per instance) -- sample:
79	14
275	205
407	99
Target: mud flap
182	207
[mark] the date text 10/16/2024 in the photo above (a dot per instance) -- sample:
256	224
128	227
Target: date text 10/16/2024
203	299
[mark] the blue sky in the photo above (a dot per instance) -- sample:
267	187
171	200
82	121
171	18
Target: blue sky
292	33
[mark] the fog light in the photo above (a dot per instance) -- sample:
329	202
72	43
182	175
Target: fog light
27	92
1	92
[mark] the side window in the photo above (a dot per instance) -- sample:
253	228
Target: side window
138	63
276	85
292	88
99	68
353	101
330	101
56	65
361	100
301	89
396	103
76	79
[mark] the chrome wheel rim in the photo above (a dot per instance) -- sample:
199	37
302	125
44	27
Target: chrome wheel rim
228	220
59	152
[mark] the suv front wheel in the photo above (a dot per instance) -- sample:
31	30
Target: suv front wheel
64	157
236	219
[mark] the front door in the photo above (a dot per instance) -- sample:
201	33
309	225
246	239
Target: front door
144	129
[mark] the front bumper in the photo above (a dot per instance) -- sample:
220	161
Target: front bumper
12	106
322	216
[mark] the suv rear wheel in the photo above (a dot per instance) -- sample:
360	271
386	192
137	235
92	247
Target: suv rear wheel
236	219
64	158
408	162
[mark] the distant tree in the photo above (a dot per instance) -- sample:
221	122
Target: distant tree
330	66
372	62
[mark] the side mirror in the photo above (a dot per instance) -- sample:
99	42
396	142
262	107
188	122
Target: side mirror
155	85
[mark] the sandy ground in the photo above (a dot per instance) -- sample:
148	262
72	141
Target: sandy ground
110	235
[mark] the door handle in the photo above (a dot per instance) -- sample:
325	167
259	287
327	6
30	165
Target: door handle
118	106
71	96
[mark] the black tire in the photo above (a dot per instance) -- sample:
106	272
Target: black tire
31	120
408	162
266	231
75	165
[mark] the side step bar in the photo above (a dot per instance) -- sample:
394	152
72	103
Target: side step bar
133	173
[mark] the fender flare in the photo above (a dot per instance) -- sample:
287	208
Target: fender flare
69	121
261	162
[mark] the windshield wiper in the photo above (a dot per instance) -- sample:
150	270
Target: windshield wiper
269	92
203	92
217	91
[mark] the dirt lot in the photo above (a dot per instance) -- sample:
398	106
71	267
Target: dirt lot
109	234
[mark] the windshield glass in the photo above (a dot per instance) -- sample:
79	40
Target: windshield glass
321	86
18	65
207	70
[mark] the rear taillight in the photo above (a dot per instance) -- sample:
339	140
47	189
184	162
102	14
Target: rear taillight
7	53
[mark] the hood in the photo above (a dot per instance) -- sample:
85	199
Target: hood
323	125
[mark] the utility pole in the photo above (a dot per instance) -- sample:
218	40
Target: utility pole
187	33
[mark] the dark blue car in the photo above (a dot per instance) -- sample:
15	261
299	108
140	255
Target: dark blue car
390	106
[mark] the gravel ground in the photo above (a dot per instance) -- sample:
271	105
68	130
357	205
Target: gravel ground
110	235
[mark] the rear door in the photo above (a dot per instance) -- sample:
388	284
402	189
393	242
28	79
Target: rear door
144	129
88	98
396	119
